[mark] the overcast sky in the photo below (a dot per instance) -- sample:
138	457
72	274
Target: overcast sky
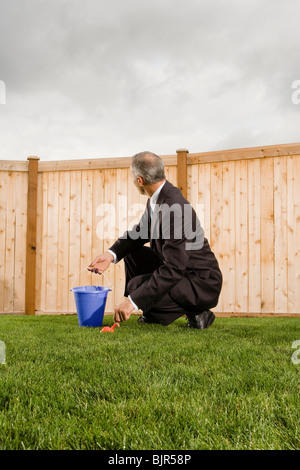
110	78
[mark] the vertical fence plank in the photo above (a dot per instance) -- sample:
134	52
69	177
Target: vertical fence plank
216	205
199	205
10	244
254	236
228	237
172	177
182	171
121	226
110	199
86	227
189	182
241	236
20	241
44	241
31	236
52	242
293	233
193	181
204	197
297	229
98	221
267	235
74	235
280	246
63	242
3	217
39	243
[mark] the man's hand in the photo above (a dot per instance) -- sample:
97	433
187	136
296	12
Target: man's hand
101	263
123	311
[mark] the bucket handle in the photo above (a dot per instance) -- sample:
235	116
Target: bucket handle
110	286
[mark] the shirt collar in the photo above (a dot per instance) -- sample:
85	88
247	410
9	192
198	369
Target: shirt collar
155	195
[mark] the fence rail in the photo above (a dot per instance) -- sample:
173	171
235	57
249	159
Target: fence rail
55	217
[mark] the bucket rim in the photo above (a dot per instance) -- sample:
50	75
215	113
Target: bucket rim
103	289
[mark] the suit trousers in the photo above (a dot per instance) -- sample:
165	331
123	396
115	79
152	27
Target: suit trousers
139	266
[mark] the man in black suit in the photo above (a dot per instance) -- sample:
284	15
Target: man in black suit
178	274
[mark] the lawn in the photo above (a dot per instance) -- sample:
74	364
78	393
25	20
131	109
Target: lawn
232	386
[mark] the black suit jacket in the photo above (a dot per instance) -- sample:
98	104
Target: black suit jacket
189	271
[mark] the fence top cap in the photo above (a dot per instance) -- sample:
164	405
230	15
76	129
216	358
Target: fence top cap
33	158
182	150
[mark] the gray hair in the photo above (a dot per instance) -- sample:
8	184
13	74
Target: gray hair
149	166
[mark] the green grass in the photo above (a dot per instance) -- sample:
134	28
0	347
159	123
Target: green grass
232	386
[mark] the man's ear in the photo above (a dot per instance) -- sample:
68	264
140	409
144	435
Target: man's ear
140	181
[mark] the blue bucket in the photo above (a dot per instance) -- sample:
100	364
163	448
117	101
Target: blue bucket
90	304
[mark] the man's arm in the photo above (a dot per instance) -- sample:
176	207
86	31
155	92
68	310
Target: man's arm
137	236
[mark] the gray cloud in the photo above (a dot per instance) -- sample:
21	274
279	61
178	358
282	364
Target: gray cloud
95	78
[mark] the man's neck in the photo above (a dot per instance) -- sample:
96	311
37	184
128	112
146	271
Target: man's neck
151	188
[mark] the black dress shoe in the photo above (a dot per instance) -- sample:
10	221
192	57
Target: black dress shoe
144	319
201	320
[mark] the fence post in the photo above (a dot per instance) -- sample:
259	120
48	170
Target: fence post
31	236
182	171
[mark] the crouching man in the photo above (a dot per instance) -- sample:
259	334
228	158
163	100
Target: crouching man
178	274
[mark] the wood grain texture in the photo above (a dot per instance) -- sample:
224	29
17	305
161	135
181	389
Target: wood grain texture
86	220
39	243
293	234
121	225
63	242
229	237
280	234
20	241
182	171
75	234
254	236
204	189
31	236
10	244
52	241
267	235
3	217
241	236
216	220
110	233
44	238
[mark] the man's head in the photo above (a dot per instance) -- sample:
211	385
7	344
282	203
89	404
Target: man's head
147	169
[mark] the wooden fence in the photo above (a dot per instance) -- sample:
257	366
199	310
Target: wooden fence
55	217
